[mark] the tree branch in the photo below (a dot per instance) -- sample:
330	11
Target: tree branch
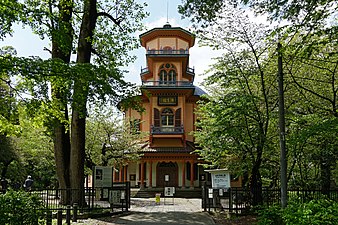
115	21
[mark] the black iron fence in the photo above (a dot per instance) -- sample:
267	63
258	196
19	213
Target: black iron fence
60	204
241	200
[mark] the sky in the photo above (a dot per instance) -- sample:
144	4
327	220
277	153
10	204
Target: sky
28	44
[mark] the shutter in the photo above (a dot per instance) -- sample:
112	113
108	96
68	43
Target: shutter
156	118
178	118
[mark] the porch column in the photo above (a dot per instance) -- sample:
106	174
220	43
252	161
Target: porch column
150	174
183	174
191	174
114	177
120	173
142	175
125	174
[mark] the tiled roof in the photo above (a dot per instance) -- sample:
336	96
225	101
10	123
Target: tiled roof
198	91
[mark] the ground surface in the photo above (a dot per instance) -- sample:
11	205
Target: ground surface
168	212
222	219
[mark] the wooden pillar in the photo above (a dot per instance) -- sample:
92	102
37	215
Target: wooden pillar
120	173
191	174
183	174
125	174
114	177
142	175
150	174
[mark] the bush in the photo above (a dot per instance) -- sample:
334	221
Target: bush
314	212
270	216
21	208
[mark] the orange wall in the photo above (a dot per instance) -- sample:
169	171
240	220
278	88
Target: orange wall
172	42
189	120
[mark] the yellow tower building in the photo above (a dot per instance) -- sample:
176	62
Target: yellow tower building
169	98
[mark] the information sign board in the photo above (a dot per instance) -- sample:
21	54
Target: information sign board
103	176
169	191
220	178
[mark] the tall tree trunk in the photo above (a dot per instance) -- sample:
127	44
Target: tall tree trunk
325	171
80	94
61	129
256	186
256	179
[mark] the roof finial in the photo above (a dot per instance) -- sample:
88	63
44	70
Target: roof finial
167	12
167	25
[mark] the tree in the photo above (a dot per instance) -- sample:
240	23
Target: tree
236	120
307	30
8	119
112	140
92	78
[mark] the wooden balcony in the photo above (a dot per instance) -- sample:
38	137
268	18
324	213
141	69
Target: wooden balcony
167	83
167	130
168	52
190	71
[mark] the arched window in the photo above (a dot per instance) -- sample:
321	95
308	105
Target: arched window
167	50
167	118
167	74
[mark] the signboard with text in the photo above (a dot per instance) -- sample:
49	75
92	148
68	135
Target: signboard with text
103	176
169	191
220	178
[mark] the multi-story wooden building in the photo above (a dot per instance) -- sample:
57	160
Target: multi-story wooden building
169	98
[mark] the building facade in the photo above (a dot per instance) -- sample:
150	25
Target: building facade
169	98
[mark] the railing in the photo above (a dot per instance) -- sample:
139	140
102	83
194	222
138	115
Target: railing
168	83
190	70
145	70
94	198
167	130
168	52
240	200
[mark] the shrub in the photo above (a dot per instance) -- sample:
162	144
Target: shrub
21	208
270	216
314	212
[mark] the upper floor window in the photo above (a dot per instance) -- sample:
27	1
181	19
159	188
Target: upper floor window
167	74
167	117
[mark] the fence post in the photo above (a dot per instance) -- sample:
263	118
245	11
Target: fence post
205	196
59	217
75	212
230	200
68	215
49	217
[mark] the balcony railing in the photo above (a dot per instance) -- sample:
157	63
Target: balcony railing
168	52
167	130
144	70
189	70
167	83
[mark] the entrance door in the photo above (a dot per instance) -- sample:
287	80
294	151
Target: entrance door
167	168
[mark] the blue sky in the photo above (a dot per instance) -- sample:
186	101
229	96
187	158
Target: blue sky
28	44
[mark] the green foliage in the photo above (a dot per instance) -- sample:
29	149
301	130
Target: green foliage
314	212
270	216
23	208
110	139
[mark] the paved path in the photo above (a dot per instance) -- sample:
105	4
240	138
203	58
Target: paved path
147	212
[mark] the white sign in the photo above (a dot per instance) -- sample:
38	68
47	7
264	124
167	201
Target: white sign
169	191
103	176
220	179
210	193
166	177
